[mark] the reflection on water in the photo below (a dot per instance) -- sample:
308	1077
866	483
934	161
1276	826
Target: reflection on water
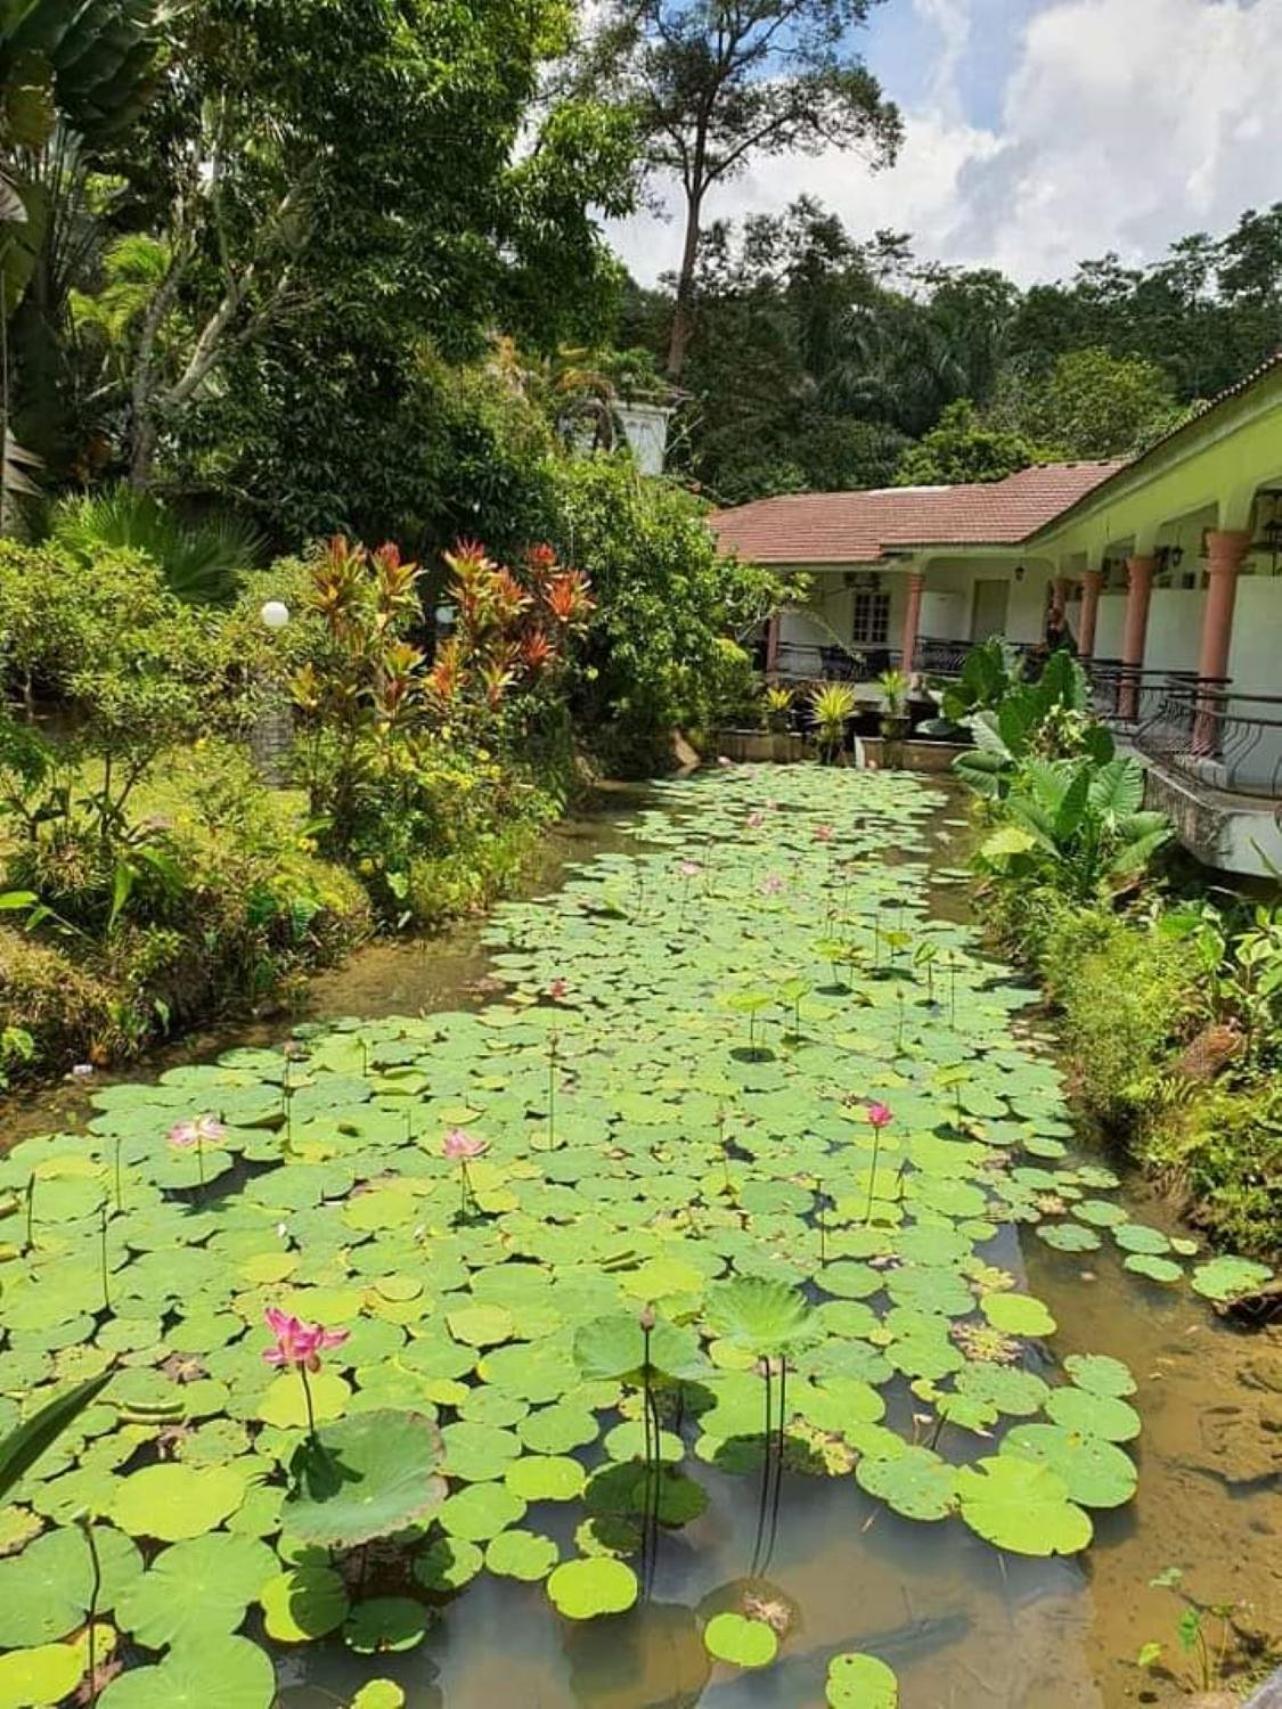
965	1627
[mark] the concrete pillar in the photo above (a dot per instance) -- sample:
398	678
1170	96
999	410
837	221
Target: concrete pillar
912	620
1139	596
1092	583
1225	550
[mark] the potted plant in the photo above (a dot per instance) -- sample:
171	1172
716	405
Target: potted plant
894	709
832	707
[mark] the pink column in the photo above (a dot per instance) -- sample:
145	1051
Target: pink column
912	620
772	644
1225	550
1092	583
1139	595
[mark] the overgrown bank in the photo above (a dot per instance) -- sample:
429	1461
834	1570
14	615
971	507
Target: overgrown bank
1168	991
152	878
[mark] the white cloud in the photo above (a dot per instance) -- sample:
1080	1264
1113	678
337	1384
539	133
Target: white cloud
1123	124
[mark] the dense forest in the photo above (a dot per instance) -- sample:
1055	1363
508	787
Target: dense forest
820	360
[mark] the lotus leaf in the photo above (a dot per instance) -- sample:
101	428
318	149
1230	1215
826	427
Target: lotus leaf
858	1681
735	1638
1225	1279
595	1585
916	1483
1017	1314
522	1555
1093	1414
1096	1473
195	1590
304	1602
1098	1374
449	1564
367	1477
45	1591
1022	1506
245	1676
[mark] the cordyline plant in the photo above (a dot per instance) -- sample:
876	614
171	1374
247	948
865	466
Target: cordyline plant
374	705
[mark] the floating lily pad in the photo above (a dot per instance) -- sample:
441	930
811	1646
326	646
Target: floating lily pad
1022	1506
1098	1374
366	1477
1017	1314
385	1623
1095	1472
175	1502
523	1555
195	1590
860	1682
917	1483
584	1589
244	1675
303	1603
1225	1279
746	1643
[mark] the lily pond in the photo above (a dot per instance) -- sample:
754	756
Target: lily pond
660	1332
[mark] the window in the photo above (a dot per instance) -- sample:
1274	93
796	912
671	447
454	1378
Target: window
872	619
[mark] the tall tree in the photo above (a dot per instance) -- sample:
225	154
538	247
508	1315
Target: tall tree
717	83
380	164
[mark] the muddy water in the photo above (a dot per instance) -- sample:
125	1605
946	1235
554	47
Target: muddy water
965	1627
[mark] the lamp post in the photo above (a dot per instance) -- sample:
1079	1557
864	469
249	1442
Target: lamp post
274	726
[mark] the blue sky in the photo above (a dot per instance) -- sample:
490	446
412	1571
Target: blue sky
1041	132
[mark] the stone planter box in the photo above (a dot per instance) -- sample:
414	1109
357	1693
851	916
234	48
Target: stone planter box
877	753
757	745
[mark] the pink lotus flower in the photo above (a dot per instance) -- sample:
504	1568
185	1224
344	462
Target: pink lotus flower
461	1147
755	821
824	833
299	1343
879	1115
205	1130
771	885
689	869
558	989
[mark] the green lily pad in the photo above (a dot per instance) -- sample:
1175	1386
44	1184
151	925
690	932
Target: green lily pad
45	1591
1224	1279
303	1603
763	1316
1017	1314
367	1476
244	1674
917	1483
174	1502
195	1590
858	1681
481	1511
1164	1270
523	1555
1101	1415
1022	1506
448	1564
385	1623
746	1643
584	1589
1096	1473
1098	1374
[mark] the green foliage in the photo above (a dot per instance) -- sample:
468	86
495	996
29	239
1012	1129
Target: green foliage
832	707
201	560
26	1442
655	656
1092	404
1129	999
962	446
1014	720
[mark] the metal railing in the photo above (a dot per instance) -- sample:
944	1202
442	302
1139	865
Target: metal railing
1210	733
801	662
1126	696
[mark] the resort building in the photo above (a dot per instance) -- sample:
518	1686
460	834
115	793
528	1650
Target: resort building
1163	569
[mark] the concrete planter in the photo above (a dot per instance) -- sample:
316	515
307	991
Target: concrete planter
751	746
879	753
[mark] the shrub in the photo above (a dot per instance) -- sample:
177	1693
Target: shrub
1129	997
201	559
654	658
1224	1145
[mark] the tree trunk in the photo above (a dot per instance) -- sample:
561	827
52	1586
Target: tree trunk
683	308
142	448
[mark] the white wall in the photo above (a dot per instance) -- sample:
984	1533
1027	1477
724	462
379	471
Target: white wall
645	426
1174	629
945	614
1255	667
1109	624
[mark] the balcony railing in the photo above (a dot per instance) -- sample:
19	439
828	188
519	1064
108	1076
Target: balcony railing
1213	735
802	662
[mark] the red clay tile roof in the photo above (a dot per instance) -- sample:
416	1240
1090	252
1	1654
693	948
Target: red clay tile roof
860	527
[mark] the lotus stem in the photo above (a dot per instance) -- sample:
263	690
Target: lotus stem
307	1398
783	1418
120	1198
872	1179
86	1524
31	1212
765	1468
102	1254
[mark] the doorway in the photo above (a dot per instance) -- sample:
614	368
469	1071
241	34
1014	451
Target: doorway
992	599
